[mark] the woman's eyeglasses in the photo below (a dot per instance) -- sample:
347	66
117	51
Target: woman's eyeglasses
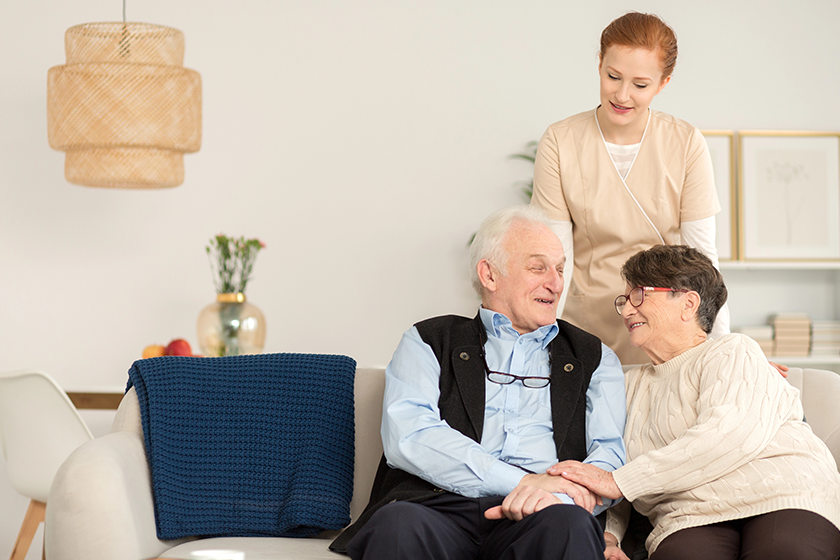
636	297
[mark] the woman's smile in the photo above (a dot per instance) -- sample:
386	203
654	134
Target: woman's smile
620	109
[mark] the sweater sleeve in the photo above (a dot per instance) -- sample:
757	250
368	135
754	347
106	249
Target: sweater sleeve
740	406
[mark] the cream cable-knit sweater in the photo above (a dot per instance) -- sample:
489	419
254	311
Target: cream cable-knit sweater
717	434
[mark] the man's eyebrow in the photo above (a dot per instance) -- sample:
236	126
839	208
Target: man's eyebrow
543	257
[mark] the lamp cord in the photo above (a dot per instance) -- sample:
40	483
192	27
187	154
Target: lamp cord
124	46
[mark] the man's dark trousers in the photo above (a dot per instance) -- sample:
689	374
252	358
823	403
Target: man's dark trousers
451	527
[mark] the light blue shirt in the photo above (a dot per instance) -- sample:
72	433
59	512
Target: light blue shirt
518	430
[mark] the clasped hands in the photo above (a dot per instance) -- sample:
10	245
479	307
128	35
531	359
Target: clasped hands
585	484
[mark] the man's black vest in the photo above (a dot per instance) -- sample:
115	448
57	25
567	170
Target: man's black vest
458	344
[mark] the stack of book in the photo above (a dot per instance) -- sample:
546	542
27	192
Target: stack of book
792	334
763	334
825	338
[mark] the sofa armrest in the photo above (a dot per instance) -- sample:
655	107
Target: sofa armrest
100	505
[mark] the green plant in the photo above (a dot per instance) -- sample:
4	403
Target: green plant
232	261
530	154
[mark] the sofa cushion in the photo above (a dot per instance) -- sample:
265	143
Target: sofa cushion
259	548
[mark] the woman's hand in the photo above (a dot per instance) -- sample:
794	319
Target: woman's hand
598	480
613	551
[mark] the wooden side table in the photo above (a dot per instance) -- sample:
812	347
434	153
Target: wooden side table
95	400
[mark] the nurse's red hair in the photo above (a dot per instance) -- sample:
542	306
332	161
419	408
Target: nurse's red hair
643	31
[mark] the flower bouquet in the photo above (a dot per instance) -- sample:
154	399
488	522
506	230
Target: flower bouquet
231	325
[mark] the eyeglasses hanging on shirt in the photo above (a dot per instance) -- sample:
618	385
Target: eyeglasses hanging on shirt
532	382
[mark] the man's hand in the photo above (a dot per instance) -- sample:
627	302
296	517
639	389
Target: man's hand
522	502
581	495
536	491
597	480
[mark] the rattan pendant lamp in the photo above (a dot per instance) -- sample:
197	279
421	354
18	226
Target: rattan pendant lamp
123	108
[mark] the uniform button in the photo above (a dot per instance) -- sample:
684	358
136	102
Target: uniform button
568	367
464	356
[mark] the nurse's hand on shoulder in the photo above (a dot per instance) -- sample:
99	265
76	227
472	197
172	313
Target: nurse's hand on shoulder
782	369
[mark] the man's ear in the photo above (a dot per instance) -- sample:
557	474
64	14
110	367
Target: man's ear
486	275
691	305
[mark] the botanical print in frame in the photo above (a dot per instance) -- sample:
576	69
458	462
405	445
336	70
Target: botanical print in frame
721	148
789	195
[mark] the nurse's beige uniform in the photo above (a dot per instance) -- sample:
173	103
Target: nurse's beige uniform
670	181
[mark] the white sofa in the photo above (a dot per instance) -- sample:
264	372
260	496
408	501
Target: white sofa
100	505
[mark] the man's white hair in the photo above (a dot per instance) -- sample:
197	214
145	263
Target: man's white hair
489	240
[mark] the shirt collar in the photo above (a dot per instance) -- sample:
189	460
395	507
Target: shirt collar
499	326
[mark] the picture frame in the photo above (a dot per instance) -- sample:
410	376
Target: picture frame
721	145
789	196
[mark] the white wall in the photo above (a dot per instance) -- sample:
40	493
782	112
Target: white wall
362	141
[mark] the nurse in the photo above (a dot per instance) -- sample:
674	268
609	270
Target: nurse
621	178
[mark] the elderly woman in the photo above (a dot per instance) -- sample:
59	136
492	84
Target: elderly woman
719	458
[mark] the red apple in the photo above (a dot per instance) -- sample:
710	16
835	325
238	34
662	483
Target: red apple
178	347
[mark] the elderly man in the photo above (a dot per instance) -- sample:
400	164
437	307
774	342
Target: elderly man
476	410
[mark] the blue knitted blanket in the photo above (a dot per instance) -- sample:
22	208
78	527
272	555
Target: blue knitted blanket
257	445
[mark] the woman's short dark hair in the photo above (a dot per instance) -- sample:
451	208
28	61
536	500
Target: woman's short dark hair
679	267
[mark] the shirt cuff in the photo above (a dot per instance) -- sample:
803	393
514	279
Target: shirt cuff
501	479
603	465
564	498
598	509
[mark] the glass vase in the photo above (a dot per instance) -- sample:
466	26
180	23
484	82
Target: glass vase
231	326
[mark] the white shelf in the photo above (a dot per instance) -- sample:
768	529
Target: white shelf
758	289
804	360
779	265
